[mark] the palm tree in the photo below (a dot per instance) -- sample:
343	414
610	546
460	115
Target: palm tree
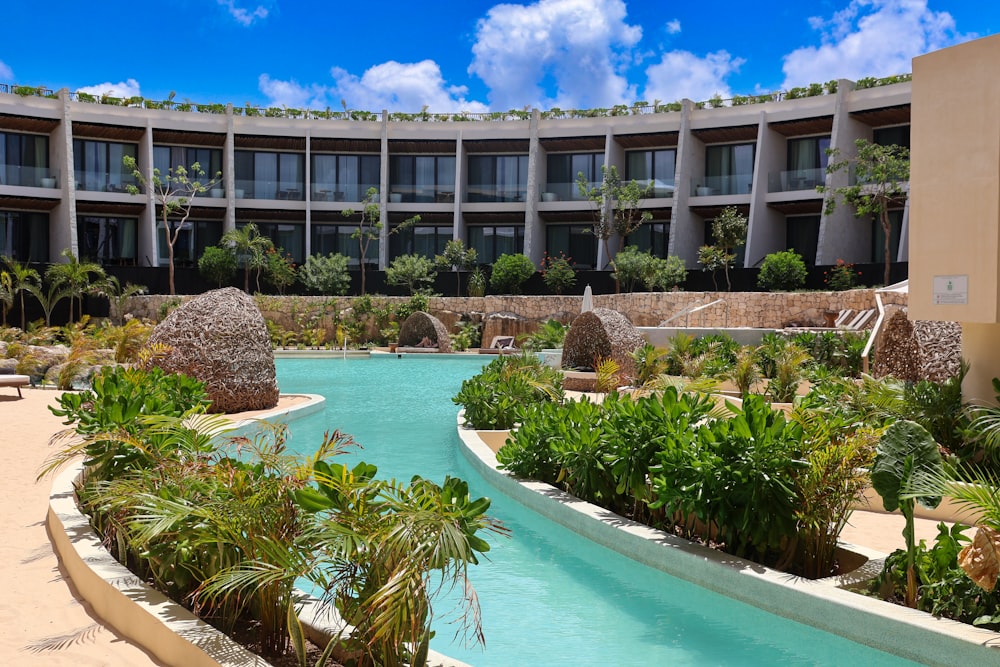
21	277
50	299
6	295
247	242
118	295
75	276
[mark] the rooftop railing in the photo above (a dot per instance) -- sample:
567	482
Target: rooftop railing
634	109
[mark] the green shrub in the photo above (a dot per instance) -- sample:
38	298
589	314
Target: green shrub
492	398
510	272
217	264
477	283
549	335
326	274
631	266
665	274
558	273
413	271
841	276
782	271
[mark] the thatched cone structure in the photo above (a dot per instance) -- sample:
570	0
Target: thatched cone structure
896	351
420	328
220	338
918	350
601	334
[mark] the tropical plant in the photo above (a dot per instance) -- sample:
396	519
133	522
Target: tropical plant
650	363
744	372
6	296
173	194
21	276
118	295
608	375
250	247
729	232
788	373
841	276
665	273
557	273
279	269
905	454
782	271
549	335
218	264
493	398
48	299
468	335
881	174
616	204
631	267
456	257
416	272
326	274
477	283
712	259
510	272
75	277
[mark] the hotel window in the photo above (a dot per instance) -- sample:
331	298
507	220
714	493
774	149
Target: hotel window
24	236
194	237
426	240
802	236
807	160
651	237
575	241
887	136
344	177
289	237
166	158
422	178
107	240
654	168
492	241
24	160
497	178
562	170
98	165
264	175
328	239
729	169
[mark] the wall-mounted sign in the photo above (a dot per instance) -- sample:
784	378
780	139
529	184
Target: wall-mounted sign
951	290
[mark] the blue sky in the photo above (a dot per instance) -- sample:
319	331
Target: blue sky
472	55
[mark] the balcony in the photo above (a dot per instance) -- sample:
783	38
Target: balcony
734	184
661	189
424	194
565	191
487	192
342	192
31	177
795	180
93	181
271	190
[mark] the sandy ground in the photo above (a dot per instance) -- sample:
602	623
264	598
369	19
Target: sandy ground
43	620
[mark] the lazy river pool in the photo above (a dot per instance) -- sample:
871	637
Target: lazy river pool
548	596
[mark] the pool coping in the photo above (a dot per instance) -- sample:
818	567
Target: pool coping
146	617
821	604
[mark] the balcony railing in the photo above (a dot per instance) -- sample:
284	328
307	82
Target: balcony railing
272	190
565	191
425	194
795	179
491	193
341	192
32	177
734	184
94	181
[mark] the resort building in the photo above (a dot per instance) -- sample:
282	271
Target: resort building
501	182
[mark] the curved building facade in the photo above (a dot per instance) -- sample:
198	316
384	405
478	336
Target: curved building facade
501	186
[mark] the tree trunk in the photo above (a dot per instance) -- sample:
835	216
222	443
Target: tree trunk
887	232
170	266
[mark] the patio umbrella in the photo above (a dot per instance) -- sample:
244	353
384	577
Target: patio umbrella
588	300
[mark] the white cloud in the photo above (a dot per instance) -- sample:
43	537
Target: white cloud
395	86
673	27
129	88
243	16
401	87
576	47
870	38
681	74
6	73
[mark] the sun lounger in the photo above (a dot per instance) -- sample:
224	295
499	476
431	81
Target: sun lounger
16	381
500	345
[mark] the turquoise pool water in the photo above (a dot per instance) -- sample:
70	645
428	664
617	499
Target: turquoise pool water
548	596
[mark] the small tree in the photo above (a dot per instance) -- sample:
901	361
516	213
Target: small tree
617	205
414	271
251	247
6	295
510	272
369	227
326	274
712	259
75	277
729	230
22	276
456	257
118	295
218	264
631	266
881	174
279	269
665	274
174	194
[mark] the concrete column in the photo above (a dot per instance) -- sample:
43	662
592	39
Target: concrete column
979	343
461	169
903	254
534	230
229	170
841	235
147	221
766	227
383	194
62	219
614	154
307	186
686	231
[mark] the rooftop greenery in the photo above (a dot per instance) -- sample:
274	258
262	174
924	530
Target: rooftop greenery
635	109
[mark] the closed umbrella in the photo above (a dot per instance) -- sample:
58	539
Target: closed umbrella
588	300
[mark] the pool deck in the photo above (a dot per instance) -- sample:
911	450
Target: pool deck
47	622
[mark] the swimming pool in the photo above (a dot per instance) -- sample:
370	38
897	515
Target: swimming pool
548	596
